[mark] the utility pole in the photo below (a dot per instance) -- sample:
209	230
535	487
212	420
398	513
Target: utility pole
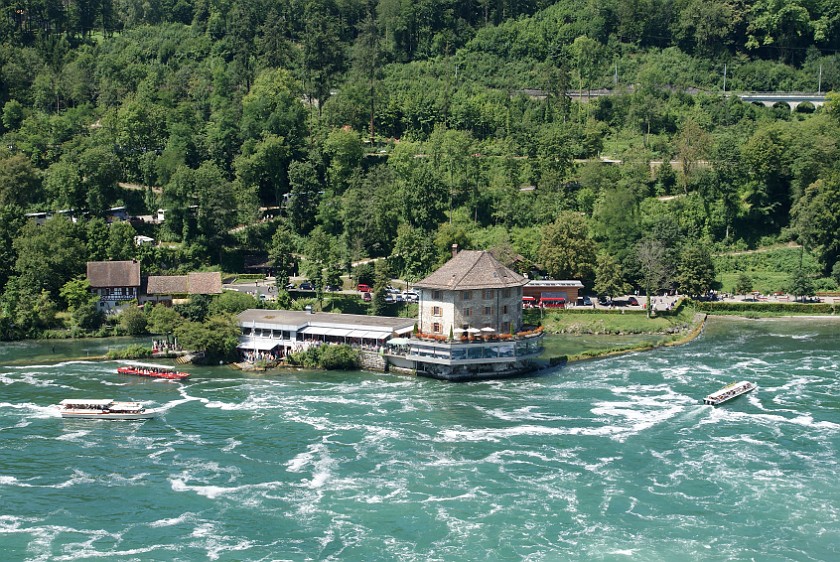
724	79
819	82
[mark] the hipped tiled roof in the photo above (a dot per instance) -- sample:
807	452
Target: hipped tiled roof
470	270
113	273
207	283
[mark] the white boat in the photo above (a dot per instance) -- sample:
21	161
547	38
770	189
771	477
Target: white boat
104	409
729	392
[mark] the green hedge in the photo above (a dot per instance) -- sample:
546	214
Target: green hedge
774	307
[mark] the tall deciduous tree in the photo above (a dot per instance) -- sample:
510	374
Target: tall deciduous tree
696	271
609	278
651	257
566	250
817	220
48	255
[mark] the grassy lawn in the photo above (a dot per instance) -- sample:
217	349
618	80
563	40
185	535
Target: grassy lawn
574	344
603	322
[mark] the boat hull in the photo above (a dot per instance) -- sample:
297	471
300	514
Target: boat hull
148	414
728	393
166	375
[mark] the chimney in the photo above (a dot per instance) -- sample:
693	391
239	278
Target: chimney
454	250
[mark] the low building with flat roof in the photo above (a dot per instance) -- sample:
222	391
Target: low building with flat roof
274	333
549	292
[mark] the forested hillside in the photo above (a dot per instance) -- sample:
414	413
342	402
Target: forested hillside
338	131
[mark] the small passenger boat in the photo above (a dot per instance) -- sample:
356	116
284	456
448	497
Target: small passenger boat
153	372
728	392
104	409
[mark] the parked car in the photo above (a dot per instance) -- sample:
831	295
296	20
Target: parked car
633	301
410	296
389	298
587	301
332	288
363	288
367	297
307	286
290	286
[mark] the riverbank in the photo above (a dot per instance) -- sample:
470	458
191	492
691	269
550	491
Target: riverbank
636	343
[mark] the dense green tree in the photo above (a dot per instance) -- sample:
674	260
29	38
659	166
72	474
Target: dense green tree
232	302
817	220
615	223
801	285
121	241
12	221
48	255
217	337
695	272
76	293
566	250
653	266
415	252
20	182
24	311
87	317
163	319
304	196
133	321
744	284
282	258
609	278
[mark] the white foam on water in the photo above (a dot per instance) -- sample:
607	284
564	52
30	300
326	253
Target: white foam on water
214	543
33	410
187	517
322	464
73	435
231	444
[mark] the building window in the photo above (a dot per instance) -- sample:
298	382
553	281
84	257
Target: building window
504	309
488	294
505	327
436	328
488	310
437	311
506	293
467	312
467	295
436	295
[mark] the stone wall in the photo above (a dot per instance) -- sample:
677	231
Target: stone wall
372	361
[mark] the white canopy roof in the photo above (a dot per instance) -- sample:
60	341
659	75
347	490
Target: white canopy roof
258	344
86	401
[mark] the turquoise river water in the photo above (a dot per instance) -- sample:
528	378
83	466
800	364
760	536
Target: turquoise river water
604	460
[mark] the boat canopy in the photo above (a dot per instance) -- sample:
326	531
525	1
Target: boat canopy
87	402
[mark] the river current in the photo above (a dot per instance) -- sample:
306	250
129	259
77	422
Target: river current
615	459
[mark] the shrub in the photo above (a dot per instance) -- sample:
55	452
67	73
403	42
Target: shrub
328	357
133	351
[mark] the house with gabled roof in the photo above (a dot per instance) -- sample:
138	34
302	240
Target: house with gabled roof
472	291
114	282
166	288
469	323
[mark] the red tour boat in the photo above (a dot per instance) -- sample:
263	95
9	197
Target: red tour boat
153	372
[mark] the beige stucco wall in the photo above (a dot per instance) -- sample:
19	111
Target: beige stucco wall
453	308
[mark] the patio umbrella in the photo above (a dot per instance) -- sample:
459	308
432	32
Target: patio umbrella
473	331
487	329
